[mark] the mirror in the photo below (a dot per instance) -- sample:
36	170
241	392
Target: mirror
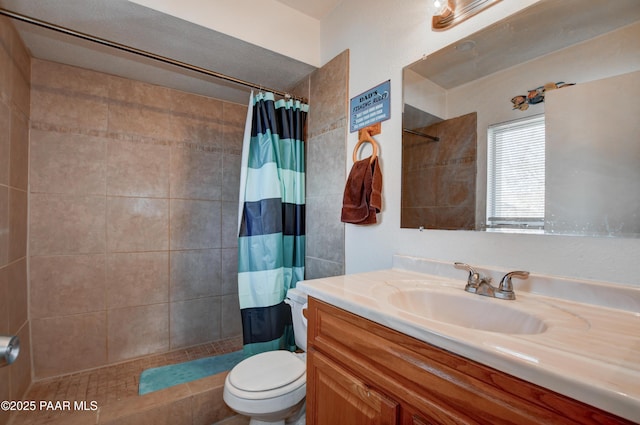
577	64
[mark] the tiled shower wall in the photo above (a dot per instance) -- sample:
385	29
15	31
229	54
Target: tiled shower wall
439	178
326	153
133	200
14	157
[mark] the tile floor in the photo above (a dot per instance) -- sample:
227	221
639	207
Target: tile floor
235	420
112	383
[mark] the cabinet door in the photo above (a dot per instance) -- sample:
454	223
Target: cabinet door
415	420
423	419
336	397
412	416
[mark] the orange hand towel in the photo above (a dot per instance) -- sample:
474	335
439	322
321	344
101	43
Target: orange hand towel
362	193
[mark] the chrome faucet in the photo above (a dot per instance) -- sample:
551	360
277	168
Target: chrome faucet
481	285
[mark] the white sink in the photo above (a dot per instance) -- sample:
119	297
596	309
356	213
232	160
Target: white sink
467	310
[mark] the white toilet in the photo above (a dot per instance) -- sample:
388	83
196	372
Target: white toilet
270	387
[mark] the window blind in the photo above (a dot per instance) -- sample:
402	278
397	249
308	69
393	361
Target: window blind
515	173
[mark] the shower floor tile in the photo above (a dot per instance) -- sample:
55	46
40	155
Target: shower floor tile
109	383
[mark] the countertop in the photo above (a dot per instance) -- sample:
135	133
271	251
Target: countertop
588	352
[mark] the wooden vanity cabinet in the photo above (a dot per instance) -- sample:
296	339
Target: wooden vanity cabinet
362	373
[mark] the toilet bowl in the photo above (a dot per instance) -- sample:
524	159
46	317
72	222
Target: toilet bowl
270	387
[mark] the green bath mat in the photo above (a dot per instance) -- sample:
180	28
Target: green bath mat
158	378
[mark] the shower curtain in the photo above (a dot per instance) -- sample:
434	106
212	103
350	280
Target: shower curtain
271	220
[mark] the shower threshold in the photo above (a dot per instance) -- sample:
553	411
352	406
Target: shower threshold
109	395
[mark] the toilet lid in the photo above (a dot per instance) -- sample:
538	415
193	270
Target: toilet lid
267	371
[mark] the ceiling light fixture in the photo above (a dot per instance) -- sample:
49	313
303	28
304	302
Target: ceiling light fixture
447	13
441	8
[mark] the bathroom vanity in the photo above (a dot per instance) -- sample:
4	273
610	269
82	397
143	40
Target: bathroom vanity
374	358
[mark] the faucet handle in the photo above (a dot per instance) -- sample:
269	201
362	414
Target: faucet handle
474	277
473	274
505	290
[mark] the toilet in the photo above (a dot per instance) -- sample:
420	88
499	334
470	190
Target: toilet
270	387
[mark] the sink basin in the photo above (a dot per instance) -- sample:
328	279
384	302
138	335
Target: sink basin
467	310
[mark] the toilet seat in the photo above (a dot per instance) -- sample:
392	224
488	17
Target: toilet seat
267	375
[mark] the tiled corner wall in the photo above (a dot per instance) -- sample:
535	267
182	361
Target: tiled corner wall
439	179
14	156
133	211
326	176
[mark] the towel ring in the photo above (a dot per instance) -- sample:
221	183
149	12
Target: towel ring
366	138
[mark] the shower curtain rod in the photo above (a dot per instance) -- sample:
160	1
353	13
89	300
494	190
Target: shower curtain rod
139	52
417	133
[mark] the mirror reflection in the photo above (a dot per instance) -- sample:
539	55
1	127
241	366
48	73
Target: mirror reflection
530	125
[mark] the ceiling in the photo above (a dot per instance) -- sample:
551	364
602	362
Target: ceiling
146	29
137	26
317	9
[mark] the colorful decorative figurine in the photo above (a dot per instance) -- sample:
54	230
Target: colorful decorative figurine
536	95
520	102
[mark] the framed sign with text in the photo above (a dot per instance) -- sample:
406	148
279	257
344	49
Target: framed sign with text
371	106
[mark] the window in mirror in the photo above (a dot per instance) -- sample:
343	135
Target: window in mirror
516	174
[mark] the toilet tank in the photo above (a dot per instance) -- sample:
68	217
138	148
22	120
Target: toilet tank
298	302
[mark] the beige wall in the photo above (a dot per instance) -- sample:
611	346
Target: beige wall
133	214
593	157
14	156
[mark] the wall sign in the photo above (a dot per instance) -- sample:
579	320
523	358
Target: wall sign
371	106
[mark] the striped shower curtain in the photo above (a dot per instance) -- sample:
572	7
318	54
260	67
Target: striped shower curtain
271	220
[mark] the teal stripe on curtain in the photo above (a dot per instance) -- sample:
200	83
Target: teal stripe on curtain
288	156
291	188
256	295
271	242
